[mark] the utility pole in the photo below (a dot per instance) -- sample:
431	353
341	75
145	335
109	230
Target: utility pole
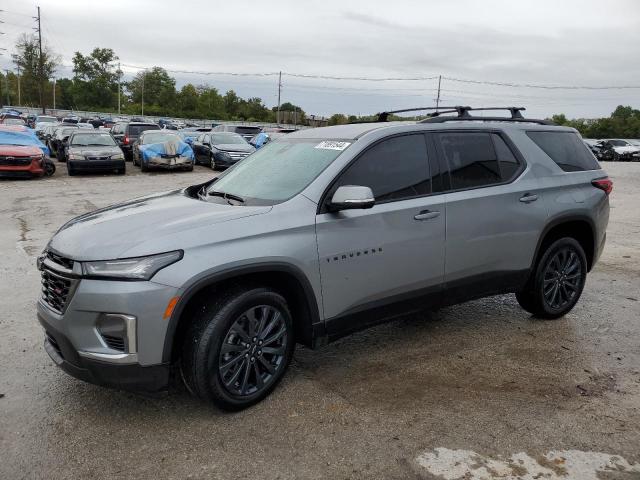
119	75
40	64
19	100
6	85
279	91
54	94
144	73
438	99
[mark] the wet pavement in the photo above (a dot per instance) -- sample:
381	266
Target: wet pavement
394	402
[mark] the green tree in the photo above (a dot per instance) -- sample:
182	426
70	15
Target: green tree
95	79
35	71
157	88
337	119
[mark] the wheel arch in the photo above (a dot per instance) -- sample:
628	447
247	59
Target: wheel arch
579	227
286	279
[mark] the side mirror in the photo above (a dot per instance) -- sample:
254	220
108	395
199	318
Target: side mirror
350	197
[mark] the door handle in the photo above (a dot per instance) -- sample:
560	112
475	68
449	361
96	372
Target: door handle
426	215
528	198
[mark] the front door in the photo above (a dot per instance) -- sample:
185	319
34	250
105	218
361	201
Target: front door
394	252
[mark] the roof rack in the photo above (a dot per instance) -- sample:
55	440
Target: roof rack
463	114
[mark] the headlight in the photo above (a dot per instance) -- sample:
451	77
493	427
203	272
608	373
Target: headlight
139	268
117	156
75	156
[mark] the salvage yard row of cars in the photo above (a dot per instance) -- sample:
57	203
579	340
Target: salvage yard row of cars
94	145
104	144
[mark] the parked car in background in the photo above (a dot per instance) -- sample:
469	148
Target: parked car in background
42	121
247	132
85	125
126	134
12	120
261	139
47	132
93	151
20	155
71	119
162	149
188	136
59	139
617	150
220	149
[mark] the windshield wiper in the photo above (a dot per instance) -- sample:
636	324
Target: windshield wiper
226	196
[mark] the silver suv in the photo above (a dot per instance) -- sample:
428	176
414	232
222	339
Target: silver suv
319	234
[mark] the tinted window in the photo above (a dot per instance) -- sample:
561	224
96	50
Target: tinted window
471	158
566	149
509	164
135	130
394	169
618	143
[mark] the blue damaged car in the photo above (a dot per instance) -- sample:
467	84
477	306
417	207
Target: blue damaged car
162	149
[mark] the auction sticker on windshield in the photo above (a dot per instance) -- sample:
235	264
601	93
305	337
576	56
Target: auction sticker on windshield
332	145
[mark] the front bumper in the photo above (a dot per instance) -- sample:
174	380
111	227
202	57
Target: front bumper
134	377
76	345
96	165
21	171
169	162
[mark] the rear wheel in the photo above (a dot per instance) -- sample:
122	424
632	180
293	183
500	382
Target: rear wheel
557	282
238	347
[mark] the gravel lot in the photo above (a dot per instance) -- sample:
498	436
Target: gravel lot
482	377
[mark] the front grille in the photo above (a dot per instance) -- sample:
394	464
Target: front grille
10	161
237	155
58	284
116	343
98	158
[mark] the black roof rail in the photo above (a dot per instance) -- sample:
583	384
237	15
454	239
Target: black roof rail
463	114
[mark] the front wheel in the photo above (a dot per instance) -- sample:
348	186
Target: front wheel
238	347
143	166
557	282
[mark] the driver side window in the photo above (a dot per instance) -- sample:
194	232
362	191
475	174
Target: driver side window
395	169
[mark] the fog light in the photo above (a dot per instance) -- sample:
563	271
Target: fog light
118	331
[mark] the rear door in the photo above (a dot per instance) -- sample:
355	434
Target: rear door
392	252
494	212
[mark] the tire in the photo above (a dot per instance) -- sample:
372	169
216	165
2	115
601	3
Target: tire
71	172
122	171
212	163
242	374
143	166
49	169
189	168
558	280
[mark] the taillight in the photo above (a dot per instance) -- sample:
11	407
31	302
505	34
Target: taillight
125	140
604	184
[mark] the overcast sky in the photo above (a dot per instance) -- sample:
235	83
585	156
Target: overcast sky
546	42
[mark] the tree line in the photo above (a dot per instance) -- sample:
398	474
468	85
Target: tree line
96	81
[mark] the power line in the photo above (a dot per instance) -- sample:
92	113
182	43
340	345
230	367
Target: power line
547	87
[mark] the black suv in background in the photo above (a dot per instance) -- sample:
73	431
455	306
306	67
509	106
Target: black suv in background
127	133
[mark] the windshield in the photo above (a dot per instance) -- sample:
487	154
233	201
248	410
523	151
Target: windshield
46	119
65	132
159	137
92	139
278	171
618	143
634	142
227	139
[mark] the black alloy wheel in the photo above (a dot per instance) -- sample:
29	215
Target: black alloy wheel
253	351
562	278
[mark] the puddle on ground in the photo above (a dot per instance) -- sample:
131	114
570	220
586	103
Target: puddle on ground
556	465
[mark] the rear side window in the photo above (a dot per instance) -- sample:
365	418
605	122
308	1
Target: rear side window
394	169
566	149
135	130
509	164
471	158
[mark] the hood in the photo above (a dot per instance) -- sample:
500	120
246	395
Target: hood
111	232
166	148
234	147
19	150
94	151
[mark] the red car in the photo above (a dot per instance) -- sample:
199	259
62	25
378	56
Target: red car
18	161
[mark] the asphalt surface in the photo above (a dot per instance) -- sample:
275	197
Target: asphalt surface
482	377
